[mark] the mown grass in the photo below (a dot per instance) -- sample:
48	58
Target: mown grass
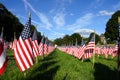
61	66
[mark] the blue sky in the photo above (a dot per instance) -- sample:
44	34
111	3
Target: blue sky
56	18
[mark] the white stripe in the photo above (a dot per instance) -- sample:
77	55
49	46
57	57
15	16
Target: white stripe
18	60
2	58
21	53
30	48
35	49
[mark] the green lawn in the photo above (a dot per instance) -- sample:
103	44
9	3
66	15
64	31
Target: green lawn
61	66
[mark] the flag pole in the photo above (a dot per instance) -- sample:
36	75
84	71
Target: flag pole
94	50
25	72
118	43
43	47
83	57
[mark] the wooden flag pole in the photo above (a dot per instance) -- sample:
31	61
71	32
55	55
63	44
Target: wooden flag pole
83	55
118	43
94	50
43	47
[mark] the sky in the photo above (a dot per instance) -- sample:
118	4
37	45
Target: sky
57	18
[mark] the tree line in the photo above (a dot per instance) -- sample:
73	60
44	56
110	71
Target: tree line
76	38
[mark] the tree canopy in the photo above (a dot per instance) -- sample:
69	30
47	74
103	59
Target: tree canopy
71	40
111	31
10	23
97	38
68	40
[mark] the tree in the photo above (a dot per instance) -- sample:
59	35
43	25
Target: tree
39	36
66	40
111	31
58	41
75	36
10	23
97	38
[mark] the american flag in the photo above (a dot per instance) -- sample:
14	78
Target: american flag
3	58
97	50
116	48
82	50
35	43
46	46
41	46
90	48
23	50
14	42
91	43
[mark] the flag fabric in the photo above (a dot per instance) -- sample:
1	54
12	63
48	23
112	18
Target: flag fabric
3	57
82	50
97	51
115	50
41	46
23	50
35	43
89	48
14	42
91	43
46	47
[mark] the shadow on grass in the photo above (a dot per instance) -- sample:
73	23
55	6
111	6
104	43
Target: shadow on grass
103	72
10	57
87	60
46	75
65	76
109	58
45	70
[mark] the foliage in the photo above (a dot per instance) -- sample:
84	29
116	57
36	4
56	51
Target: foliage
68	40
10	23
97	38
111	31
71	40
74	37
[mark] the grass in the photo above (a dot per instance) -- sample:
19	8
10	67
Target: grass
61	66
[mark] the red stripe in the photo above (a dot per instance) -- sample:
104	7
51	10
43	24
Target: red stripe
17	62
1	47
31	54
19	55
41	49
3	67
35	48
24	53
